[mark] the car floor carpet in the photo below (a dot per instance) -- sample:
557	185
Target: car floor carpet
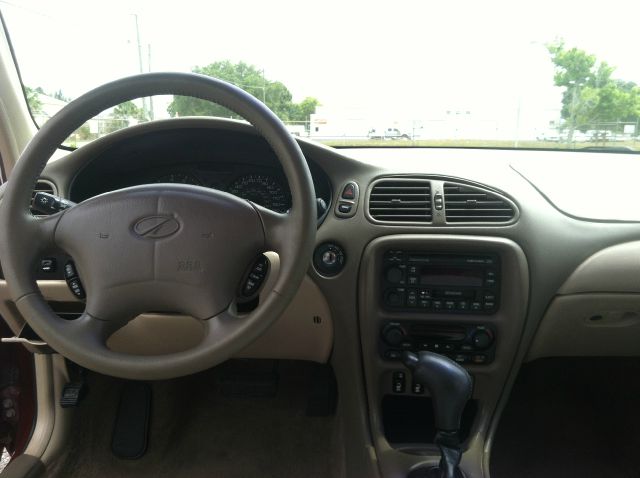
571	417
195	431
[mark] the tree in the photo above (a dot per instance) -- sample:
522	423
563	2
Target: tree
33	99
591	94
248	77
128	110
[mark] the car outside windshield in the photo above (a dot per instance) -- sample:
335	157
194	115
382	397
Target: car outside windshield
407	73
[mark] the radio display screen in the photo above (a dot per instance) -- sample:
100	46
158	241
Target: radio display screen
451	277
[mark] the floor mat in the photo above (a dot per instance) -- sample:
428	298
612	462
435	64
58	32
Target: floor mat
196	432
571	418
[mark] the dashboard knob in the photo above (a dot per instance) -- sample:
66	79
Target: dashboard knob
482	339
393	335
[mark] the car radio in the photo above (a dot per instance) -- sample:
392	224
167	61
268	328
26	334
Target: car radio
440	282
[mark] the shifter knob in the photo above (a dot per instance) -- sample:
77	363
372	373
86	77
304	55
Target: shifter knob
450	386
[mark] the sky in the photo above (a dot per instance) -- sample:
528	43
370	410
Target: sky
401	57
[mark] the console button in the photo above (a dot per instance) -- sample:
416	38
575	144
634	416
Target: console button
393	355
424	304
461	358
394	275
345	208
398	382
395	297
479	358
417	388
349	191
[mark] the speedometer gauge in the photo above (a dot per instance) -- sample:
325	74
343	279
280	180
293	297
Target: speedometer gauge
179	177
262	189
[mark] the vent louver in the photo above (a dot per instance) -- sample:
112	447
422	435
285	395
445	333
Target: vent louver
401	200
464	203
42	186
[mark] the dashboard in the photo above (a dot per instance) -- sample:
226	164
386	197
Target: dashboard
492	257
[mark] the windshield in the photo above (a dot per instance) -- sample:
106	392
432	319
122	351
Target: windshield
541	74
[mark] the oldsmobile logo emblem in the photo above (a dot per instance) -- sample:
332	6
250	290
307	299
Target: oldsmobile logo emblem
156	227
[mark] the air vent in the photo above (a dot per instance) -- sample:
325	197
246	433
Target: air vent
401	200
471	204
42	186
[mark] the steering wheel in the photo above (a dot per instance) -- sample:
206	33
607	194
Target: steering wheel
161	248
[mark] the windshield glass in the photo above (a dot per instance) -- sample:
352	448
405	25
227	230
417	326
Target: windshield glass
541	74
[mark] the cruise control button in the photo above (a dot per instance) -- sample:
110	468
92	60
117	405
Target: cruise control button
76	288
48	265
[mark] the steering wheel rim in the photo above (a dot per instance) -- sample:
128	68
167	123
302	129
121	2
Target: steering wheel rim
244	226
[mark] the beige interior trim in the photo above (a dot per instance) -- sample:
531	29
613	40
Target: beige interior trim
614	269
303	332
589	325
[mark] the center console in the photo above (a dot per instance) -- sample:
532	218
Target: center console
463	297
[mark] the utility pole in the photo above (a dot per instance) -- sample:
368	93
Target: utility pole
151	113
145	110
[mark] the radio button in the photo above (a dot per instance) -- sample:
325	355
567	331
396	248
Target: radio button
395	298
489	297
475	306
449	305
424	304
479	359
437	304
395	275
463	305
490	282
466	348
448	347
393	354
425	293
413	280
489	305
413	270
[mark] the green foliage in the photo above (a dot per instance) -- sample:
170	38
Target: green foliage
128	110
248	77
33	99
591	95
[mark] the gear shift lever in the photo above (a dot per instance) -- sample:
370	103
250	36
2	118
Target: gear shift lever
450	386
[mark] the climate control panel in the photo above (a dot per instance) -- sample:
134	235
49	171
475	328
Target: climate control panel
464	343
